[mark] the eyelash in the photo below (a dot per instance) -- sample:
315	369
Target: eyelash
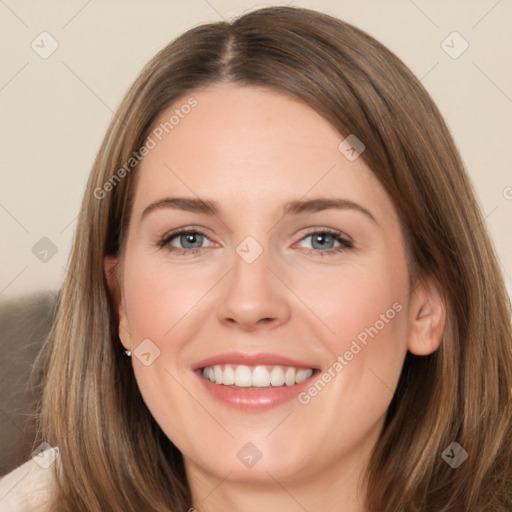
345	242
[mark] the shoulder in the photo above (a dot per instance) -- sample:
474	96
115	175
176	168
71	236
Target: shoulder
28	488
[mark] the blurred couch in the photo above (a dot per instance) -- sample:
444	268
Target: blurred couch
25	322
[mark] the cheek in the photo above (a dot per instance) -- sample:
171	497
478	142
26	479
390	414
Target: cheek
157	303
365	308
362	304
157	298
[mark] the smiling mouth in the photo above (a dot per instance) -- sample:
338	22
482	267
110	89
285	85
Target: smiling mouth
255	377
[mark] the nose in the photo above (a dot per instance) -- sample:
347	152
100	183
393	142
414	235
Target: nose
253	295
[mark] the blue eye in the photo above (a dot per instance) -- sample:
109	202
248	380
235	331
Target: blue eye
186	237
191	240
325	238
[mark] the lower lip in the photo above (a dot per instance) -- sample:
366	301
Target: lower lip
254	399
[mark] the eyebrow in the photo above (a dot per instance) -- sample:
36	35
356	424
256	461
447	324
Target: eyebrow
295	207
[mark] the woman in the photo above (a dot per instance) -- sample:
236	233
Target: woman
249	371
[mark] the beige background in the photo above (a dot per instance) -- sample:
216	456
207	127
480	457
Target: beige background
54	111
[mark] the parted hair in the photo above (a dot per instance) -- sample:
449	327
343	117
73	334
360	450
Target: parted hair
113	455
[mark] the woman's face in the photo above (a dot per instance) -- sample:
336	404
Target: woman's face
271	285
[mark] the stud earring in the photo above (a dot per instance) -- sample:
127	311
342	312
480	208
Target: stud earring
127	352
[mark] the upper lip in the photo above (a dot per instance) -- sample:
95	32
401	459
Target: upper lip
262	358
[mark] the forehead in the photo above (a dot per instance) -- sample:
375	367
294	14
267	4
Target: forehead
250	147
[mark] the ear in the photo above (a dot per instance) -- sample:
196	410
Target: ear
428	317
111	267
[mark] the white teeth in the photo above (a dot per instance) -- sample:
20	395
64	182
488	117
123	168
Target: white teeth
229	376
242	376
289	376
256	376
303	375
277	377
260	377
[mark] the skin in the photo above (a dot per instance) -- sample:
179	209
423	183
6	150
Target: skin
251	150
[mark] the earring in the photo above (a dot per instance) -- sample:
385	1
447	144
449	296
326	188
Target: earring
127	352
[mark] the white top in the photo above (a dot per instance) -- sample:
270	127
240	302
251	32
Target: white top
28	487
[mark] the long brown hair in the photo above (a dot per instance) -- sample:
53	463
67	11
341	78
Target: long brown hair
113	454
